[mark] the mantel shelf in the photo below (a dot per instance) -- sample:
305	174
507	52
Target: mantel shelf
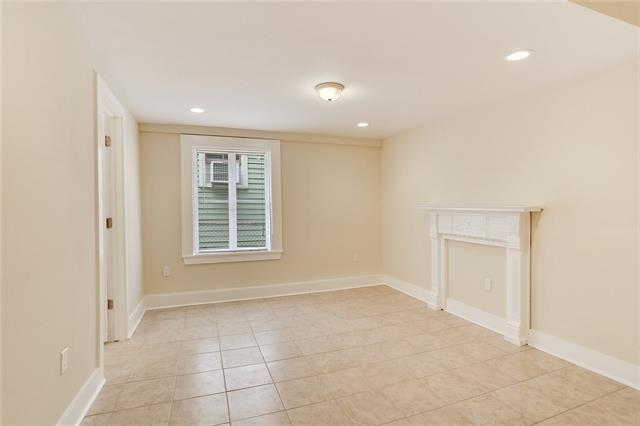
488	208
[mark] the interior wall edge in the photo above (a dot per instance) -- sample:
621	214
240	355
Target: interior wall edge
248	133
627	11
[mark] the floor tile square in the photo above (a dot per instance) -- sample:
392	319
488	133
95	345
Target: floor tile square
274	419
369	408
358	356
298	392
289	369
322	414
205	410
199	384
157	414
240	357
234	328
199	363
247	376
412	397
278	351
106	400
252	402
147	392
237	341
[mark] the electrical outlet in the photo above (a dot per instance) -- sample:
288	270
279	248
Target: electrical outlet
166	271
64	360
488	284
356	257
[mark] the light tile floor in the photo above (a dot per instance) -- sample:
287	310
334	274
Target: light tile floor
361	356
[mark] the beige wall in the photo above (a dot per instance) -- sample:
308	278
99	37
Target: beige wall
467	268
48	214
330	201
571	148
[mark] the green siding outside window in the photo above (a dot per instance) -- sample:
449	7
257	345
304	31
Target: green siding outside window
213	202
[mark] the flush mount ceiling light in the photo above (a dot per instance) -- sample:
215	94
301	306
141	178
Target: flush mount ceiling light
329	91
196	110
518	55
363	124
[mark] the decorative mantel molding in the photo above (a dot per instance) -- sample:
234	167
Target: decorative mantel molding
501	226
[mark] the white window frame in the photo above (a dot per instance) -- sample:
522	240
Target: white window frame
190	144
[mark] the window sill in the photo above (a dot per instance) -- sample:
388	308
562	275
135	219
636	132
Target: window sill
236	256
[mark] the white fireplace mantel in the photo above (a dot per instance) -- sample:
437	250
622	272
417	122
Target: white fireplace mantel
501	226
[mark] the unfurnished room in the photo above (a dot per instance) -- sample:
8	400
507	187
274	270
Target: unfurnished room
322	213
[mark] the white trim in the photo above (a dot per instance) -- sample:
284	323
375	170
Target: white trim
616	369
167	300
232	256
412	290
108	104
606	365
508	227
475	315
455	307
189	144
81	403
135	318
270	216
232	200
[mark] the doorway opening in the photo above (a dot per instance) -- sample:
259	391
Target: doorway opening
111	248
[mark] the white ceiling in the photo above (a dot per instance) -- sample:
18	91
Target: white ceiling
254	65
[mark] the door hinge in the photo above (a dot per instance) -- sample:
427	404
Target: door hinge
109	304
107	141
109	223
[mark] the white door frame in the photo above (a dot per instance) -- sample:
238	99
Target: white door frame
108	105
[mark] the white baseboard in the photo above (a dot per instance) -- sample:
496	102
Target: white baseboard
81	403
606	365
167	300
412	290
135	318
475	315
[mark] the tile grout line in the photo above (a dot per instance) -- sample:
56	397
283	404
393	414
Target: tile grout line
332	371
582	404
518	383
333	312
274	384
302	354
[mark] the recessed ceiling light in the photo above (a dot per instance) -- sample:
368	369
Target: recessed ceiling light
329	91
196	110
363	124
518	55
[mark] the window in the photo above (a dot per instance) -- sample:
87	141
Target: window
230	199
